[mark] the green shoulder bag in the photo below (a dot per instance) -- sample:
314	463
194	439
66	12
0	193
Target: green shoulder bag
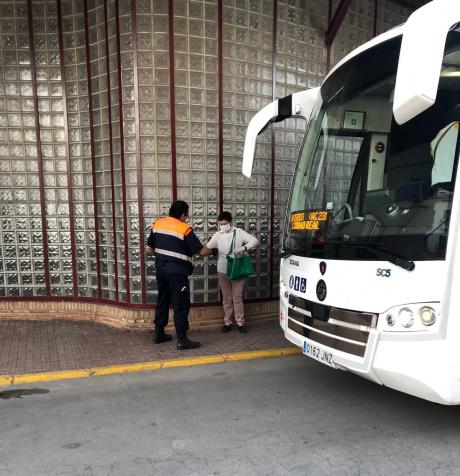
238	267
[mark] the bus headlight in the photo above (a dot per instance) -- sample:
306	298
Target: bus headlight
411	318
406	317
427	315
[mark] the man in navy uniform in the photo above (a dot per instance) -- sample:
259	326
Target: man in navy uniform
173	242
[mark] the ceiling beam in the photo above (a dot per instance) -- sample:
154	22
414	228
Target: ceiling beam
337	20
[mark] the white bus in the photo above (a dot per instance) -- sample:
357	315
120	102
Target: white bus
370	273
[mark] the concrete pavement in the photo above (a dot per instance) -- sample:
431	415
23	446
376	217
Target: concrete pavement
37	351
260	417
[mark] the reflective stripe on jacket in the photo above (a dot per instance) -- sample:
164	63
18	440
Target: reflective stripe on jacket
169	239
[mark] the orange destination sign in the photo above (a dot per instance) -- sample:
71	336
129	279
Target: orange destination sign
312	220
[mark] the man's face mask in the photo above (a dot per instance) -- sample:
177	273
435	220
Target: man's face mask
225	228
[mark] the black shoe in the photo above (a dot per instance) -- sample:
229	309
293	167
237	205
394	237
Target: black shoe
226	328
243	329
160	337
186	344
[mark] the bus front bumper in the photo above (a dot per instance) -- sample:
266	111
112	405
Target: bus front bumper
418	368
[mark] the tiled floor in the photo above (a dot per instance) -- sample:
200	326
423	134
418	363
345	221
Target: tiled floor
41	346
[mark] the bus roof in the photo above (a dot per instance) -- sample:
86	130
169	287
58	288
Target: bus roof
388	35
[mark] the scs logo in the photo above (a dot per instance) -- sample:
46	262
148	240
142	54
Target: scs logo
384	273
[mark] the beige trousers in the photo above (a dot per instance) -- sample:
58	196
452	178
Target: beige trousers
232	293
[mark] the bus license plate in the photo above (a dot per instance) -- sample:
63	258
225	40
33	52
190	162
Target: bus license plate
318	354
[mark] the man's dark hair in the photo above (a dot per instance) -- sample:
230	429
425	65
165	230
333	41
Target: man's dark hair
178	208
224	216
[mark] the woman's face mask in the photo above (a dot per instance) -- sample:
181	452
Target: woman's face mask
225	228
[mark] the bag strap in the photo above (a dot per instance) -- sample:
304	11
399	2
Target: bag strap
232	246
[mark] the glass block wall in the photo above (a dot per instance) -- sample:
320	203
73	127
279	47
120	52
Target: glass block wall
110	109
360	21
339	162
247	87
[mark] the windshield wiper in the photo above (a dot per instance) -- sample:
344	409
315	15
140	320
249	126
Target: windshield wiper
286	253
385	255
295	251
382	254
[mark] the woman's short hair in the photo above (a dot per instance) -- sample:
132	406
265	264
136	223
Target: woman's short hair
227	216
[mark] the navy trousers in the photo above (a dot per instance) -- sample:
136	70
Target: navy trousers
173	289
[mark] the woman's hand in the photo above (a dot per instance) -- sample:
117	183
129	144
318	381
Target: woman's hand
239	251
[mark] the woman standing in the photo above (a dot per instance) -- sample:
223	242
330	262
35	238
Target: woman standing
232	291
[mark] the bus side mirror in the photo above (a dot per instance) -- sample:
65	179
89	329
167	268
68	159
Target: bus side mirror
420	58
295	105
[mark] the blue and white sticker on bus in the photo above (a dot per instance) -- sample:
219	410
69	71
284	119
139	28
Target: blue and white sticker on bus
298	284
303	285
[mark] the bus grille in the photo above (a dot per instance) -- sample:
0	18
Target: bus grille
340	329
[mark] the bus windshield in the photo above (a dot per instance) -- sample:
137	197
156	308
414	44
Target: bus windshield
366	187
